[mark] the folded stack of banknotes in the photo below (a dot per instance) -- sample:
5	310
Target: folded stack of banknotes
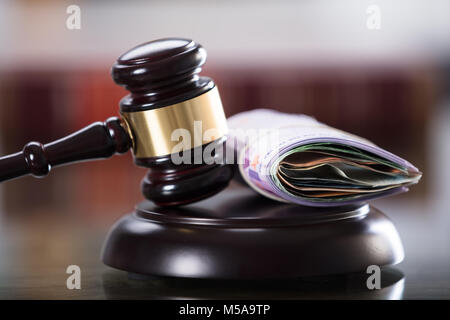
294	158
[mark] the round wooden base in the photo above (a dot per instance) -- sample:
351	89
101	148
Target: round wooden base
238	234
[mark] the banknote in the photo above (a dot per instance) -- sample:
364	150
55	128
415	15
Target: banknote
295	158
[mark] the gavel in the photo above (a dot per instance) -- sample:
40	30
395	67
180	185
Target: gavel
166	94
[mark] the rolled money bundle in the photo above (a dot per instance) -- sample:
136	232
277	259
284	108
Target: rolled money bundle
295	158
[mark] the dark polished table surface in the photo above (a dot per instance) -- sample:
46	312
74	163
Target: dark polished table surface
34	267
35	251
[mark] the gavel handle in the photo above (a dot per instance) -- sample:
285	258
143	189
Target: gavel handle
98	140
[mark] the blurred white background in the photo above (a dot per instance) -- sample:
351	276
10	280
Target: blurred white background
235	32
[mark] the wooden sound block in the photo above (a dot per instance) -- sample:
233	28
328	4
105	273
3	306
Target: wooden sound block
238	234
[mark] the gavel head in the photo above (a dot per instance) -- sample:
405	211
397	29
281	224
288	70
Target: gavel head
175	120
